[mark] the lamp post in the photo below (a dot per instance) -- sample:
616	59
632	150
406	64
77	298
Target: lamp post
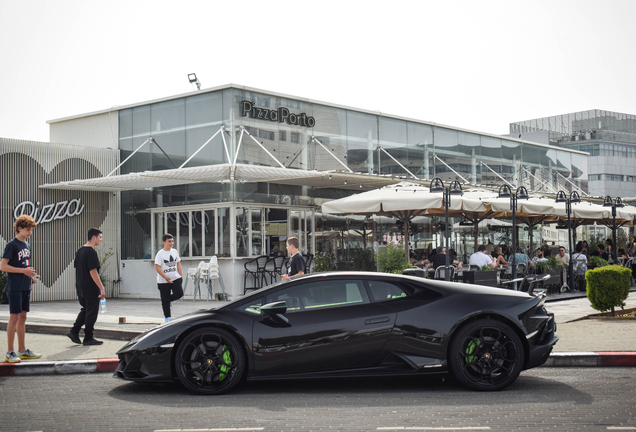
454	188
617	202
522	193
568	200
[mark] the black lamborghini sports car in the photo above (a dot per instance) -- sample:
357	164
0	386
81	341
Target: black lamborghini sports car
349	324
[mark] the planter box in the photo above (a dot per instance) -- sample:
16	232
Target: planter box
414	272
488	278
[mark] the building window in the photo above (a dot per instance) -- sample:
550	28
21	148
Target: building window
282	135
295	137
595	177
631	179
268	135
614	177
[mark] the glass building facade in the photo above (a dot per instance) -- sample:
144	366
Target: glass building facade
609	138
249	219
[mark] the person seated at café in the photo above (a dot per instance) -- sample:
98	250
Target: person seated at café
422	262
601	251
583	249
538	258
579	261
622	254
499	258
546	249
520	257
481	258
439	259
562	256
609	246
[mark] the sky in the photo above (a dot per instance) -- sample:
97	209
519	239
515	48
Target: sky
478	65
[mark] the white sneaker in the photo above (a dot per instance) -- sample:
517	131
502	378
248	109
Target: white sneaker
28	354
12	357
168	319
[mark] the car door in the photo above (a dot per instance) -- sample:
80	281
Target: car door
331	325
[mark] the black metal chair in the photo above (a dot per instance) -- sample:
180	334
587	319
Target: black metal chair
258	273
440	272
309	258
275	267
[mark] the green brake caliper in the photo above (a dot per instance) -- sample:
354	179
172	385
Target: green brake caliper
470	349
227	362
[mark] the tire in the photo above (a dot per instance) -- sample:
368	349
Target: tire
486	355
209	361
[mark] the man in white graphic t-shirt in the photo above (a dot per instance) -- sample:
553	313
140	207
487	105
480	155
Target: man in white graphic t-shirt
169	274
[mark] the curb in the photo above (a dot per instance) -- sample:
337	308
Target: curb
123	335
592	359
559	359
59	368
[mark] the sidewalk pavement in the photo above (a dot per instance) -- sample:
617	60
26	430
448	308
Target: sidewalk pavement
583	342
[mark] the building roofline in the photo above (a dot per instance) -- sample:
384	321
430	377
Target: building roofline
312	101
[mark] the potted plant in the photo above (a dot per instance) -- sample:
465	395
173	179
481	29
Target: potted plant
323	262
362	259
391	259
485	276
596	261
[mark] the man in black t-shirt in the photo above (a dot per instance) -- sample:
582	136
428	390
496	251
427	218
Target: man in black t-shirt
89	289
296	262
439	259
601	251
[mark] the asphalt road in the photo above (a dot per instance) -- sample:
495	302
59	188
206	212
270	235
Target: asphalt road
554	399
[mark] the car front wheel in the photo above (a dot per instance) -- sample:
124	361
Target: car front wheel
209	361
486	355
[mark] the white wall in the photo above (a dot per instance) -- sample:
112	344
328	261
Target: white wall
139	279
99	131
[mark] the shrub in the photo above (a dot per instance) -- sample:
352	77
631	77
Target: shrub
391	259
596	261
486	267
362	259
608	287
323	262
549	266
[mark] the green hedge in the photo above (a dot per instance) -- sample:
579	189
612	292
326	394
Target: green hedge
608	287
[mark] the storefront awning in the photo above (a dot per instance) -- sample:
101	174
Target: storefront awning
227	173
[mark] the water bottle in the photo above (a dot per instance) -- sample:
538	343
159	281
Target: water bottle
103	303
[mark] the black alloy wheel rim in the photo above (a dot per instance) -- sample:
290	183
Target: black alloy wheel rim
488	356
208	362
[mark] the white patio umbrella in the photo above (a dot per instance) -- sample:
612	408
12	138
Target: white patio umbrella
404	201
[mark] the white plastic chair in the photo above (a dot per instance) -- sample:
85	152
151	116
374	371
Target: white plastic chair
203	276
192	275
214	274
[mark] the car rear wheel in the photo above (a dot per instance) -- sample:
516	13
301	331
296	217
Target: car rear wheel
486	355
209	361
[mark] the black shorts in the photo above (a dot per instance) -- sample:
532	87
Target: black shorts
19	301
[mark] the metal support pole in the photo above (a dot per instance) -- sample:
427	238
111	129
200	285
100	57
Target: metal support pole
513	207
568	209
446	207
614	233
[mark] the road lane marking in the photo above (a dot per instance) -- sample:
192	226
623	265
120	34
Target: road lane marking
422	428
621	427
211	430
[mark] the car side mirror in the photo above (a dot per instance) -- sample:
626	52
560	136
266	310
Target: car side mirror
276	310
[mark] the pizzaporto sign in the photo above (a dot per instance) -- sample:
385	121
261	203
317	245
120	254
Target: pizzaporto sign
280	115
